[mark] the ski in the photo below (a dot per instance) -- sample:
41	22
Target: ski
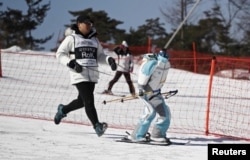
153	142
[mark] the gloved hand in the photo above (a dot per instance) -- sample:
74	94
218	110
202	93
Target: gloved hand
75	66
112	63
131	69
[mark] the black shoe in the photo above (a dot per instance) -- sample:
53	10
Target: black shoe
100	128
59	115
107	92
168	140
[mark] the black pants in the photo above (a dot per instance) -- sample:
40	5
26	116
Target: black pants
85	99
118	74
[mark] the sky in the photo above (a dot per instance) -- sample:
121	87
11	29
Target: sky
33	139
132	12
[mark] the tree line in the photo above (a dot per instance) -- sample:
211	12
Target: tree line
212	34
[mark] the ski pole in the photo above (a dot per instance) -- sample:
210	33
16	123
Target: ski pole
124	98
170	94
165	94
99	71
120	99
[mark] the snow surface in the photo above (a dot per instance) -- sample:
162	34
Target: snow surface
31	139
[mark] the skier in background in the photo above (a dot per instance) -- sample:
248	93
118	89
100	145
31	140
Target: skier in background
81	52
151	78
125	67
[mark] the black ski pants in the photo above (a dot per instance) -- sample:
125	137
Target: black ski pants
85	99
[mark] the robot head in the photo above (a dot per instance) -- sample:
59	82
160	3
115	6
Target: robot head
163	53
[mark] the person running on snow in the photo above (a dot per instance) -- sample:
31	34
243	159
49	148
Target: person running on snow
125	67
81	52
151	78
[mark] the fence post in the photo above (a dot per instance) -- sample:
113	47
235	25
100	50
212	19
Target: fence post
212	69
195	58
149	44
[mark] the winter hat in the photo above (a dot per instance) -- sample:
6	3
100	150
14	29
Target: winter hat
84	19
124	43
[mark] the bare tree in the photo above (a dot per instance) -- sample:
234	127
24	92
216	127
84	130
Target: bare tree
174	14
235	14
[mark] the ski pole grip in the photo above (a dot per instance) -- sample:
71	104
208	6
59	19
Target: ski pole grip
175	91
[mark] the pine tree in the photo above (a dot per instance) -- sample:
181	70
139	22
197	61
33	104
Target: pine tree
16	27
